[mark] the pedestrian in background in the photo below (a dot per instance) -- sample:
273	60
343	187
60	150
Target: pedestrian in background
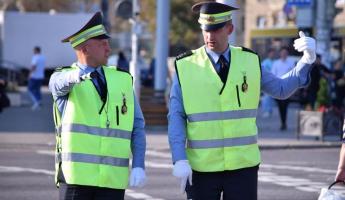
280	68
4	100
319	70
36	77
338	77
122	61
267	101
213	105
98	121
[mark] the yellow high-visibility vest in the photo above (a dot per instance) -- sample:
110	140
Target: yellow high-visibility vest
89	150
221	119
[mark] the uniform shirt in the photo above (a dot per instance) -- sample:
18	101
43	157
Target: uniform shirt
280	88
38	60
281	67
62	82
214	57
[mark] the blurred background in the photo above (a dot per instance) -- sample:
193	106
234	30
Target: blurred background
146	36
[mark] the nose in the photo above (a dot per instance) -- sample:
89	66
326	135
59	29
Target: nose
210	34
106	45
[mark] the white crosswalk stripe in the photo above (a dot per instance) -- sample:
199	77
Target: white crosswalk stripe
162	160
14	169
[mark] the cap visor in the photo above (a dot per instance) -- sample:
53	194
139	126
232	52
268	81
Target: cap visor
212	27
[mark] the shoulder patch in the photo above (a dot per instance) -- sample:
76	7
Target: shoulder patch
59	69
184	54
248	50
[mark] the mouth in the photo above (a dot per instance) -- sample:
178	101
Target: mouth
211	43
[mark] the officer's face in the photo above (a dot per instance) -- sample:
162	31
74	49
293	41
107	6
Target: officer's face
217	40
98	51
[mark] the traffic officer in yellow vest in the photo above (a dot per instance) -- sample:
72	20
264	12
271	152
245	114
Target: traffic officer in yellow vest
98	122
213	106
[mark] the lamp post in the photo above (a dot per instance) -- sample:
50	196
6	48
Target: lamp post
130	9
136	30
162	44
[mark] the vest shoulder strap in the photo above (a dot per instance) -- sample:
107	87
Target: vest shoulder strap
123	70
59	69
253	52
184	54
248	50
120	70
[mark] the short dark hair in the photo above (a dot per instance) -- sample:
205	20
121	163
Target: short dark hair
284	48
37	49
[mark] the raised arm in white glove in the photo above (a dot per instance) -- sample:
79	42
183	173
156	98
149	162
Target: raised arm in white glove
137	177
308	46
183	171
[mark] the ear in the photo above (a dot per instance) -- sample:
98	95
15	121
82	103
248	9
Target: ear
231	28
84	49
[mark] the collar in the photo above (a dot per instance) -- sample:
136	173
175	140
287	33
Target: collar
215	56
88	69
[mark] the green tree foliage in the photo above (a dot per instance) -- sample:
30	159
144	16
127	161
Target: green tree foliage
184	30
323	98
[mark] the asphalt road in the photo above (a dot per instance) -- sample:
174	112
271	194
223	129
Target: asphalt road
27	170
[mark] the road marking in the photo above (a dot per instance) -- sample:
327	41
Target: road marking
137	195
158	154
45	152
301	184
158	165
12	169
297	168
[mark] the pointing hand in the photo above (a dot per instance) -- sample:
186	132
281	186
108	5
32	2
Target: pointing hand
308	46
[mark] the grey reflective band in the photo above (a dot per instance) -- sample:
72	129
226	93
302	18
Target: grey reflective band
92	130
210	116
88	158
218	143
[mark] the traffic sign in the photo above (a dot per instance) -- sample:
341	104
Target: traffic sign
299	2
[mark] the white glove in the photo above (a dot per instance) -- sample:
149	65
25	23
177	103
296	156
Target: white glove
88	76
308	46
138	177
183	171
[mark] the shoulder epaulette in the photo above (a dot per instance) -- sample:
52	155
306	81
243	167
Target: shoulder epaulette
59	69
122	70
184	54
248	50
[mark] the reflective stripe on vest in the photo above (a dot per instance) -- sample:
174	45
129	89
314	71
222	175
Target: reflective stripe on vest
221	126
227	142
87	158
92	130
234	114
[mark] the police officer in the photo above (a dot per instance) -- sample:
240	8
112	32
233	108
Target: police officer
213	106
98	122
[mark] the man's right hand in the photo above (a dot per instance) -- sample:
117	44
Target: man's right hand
183	171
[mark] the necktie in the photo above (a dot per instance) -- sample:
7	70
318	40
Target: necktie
100	86
224	68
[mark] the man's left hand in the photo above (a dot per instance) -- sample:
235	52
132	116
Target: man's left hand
138	177
308	46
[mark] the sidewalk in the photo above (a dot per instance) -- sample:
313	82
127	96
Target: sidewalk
21	125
